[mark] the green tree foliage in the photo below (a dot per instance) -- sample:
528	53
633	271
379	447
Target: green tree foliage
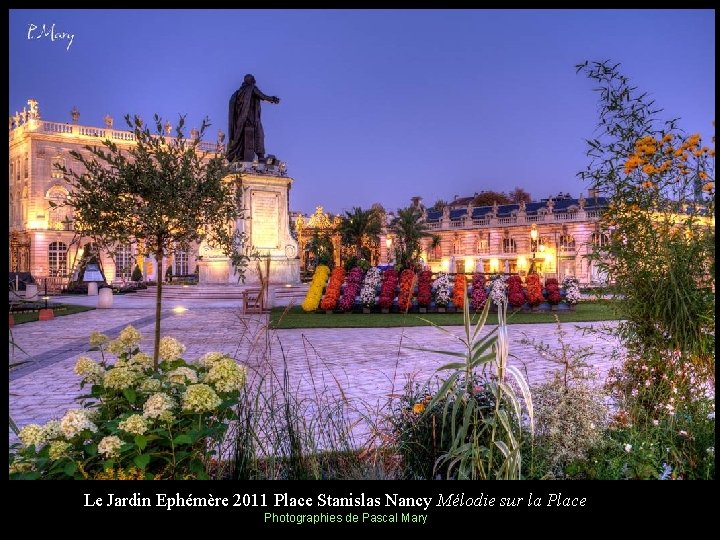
358	225
519	195
661	249
409	227
488	198
162	193
136	274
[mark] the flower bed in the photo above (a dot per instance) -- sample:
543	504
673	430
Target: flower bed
332	293
352	288
516	296
498	290
458	296
407	280
442	289
553	291
479	295
372	282
387	289
572	290
314	294
534	290
424	295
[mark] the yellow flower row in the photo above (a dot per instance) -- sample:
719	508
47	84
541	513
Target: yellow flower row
314	294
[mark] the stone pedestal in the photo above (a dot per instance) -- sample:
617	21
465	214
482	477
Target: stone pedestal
31	291
105	298
266	223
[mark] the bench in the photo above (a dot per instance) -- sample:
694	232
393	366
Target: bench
253	301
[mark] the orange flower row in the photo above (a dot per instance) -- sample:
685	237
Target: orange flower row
407	280
332	293
458	297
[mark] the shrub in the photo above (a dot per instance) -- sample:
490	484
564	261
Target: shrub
553	291
136	421
136	274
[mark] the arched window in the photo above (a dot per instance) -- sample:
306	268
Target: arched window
56	161
12	209
509	245
58	213
27	165
456	245
181	263
124	261
567	243
600	240
483	244
57	259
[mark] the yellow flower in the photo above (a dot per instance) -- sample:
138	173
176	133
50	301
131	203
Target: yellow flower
418	408
668	137
647	184
703	175
709	186
648	169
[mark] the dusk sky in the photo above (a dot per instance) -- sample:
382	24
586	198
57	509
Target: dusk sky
376	105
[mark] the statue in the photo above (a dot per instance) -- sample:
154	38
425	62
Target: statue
246	136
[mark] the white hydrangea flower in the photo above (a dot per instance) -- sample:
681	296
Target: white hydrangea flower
98	340
150	386
182	375
157	404
226	375
51	431
76	421
31	435
208	359
200	398
89	370
142	361
58	449
170	349
120	378
134	424
110	446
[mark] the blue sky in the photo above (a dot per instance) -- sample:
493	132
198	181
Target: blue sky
376	105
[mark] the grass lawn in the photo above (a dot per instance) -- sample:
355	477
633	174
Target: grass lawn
297	318
58	310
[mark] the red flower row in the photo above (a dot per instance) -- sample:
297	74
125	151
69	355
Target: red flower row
534	290
424	295
479	295
458	296
407	280
387	289
516	297
332	293
553	290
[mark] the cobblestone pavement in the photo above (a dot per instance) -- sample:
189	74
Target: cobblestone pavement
364	366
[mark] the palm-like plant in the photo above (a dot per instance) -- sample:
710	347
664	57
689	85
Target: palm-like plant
409	227
358	225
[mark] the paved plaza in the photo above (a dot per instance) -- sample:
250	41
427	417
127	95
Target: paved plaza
362	365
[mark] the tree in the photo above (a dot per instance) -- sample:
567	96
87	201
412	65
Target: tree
439	205
162	193
487	198
661	241
409	227
322	247
136	274
519	195
359	226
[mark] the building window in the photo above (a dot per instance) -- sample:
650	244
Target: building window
27	165
456	245
124	261
57	259
58	212
567	243
509	245
600	240
58	161
17	170
483	245
181	263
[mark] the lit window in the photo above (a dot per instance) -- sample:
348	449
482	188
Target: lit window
57	259
509	245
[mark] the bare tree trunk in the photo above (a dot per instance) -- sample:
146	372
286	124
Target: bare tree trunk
158	302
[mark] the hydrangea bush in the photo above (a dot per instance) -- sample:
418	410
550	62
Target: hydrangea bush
136	422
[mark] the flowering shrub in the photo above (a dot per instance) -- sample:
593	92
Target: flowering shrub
312	299
572	290
442	289
553	291
458	296
479	295
387	289
137	422
352	288
407	280
332	292
368	293
516	296
424	296
498	290
534	290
